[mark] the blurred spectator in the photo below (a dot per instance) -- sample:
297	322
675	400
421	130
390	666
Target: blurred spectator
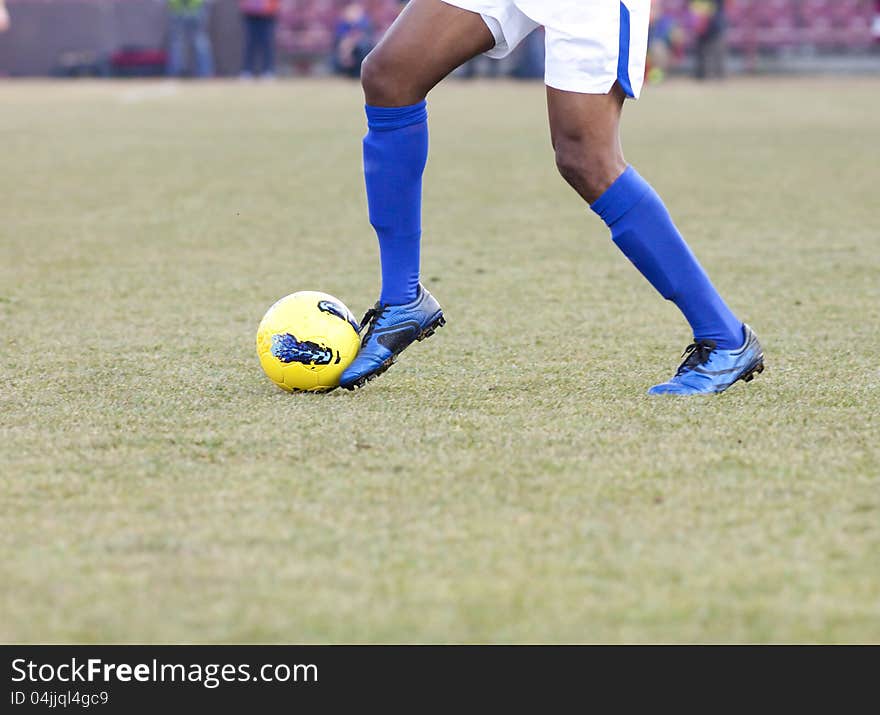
4	17
480	66
189	26
353	39
710	26
875	28
530	61
666	42
260	19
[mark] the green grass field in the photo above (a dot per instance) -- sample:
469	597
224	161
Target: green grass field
508	480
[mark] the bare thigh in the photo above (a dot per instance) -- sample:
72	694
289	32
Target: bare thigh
428	40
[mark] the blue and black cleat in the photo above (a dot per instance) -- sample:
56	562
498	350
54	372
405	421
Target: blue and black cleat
707	369
390	329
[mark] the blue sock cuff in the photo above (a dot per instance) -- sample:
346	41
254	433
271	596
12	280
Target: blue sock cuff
621	196
386	119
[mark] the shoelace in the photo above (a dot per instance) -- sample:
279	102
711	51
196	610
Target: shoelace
371	317
696	354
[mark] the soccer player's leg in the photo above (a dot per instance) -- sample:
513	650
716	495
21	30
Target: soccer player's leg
586	140
428	41
585	120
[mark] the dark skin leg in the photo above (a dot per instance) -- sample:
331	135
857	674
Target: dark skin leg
585	130
429	40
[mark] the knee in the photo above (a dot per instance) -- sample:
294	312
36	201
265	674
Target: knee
385	82
589	169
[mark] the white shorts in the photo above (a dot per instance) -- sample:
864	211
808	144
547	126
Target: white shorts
591	44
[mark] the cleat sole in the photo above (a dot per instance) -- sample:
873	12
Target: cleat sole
424	335
750	375
431	329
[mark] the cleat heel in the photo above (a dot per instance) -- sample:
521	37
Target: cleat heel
753	373
431	329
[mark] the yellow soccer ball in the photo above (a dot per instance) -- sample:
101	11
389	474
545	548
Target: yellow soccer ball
306	340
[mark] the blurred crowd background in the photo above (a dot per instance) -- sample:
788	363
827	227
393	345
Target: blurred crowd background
268	38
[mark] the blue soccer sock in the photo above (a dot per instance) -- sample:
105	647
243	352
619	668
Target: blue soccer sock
395	154
642	228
